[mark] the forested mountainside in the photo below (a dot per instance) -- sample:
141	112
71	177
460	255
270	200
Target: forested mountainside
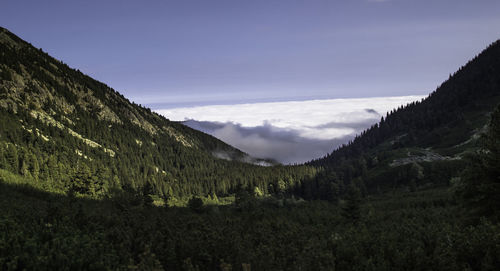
69	132
423	143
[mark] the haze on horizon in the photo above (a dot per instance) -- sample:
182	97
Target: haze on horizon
290	132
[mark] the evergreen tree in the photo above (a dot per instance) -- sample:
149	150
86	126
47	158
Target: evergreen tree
244	199
3	161
12	158
34	166
147	191
24	166
352	206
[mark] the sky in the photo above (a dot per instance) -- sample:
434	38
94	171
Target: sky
171	53
178	57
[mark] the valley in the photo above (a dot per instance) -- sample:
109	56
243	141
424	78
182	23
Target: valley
90	180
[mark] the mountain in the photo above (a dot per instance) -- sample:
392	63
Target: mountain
423	143
71	133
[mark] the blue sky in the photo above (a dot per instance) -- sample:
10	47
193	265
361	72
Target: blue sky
171	53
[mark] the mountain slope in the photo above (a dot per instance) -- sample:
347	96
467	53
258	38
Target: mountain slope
424	142
76	134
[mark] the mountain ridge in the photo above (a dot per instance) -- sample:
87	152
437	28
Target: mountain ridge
88	120
431	136
44	99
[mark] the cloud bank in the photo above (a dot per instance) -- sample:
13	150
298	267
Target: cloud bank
289	132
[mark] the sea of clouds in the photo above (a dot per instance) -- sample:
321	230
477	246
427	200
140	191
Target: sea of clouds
288	132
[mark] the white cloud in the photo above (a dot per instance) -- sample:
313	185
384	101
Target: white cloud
290	132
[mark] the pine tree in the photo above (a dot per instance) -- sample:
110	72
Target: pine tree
24	165
33	166
3	161
82	180
12	158
147	191
352	207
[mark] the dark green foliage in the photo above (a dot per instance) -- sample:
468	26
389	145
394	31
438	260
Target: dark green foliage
5	75
244	199
147	192
84	182
11	158
481	180
400	231
352	206
195	204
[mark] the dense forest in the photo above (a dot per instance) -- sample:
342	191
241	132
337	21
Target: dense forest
92	181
